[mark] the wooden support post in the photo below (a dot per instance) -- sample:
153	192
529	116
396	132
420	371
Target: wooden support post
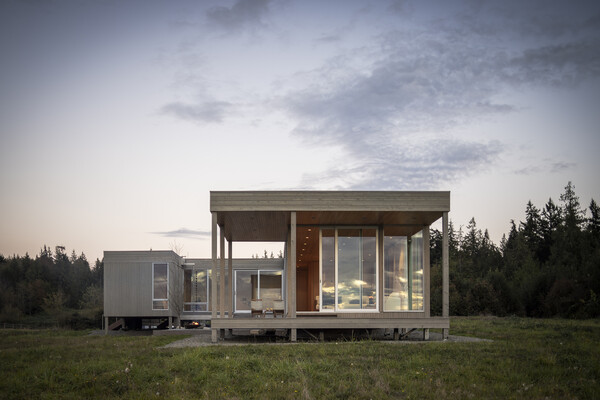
409	267
380	299
222	274
425	333
292	270
321	336
396	334
230	279
445	273
426	272
170	322
214	335
106	325
213	272
293	335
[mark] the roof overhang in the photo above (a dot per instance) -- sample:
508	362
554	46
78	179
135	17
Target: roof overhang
265	215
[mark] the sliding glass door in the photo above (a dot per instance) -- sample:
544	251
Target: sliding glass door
348	264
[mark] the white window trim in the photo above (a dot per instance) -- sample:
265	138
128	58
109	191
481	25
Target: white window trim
155	299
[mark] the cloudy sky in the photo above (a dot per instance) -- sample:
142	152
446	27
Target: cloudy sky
118	117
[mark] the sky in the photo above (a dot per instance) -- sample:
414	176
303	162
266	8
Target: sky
117	118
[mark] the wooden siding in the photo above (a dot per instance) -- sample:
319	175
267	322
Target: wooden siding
128	283
329	201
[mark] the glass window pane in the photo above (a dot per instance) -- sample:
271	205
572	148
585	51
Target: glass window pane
328	268
349	269
395	279
198	290
245	289
270	287
160	281
159	305
416	263
187	286
369	269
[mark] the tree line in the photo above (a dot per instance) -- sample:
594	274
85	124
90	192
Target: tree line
63	288
549	265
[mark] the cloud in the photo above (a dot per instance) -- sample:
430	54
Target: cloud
185	233
244	14
395	115
546	167
413	166
204	112
328	38
558	65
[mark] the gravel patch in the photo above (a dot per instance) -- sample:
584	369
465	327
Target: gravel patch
243	337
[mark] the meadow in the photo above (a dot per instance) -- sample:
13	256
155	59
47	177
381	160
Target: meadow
528	358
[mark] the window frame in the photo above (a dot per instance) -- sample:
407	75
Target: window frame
197	303
336	229
409	271
154	299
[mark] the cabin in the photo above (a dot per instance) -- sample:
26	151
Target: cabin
352	260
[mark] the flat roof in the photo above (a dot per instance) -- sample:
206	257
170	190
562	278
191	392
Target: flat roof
265	215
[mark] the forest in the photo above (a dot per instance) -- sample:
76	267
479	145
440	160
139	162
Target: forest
547	266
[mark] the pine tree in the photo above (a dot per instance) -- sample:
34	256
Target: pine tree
532	227
593	222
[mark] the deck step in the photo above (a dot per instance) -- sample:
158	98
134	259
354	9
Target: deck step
116	325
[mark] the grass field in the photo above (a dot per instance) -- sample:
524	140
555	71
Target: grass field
529	358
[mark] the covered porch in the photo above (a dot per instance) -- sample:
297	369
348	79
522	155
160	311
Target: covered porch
353	260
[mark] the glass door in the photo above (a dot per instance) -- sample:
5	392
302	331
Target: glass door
348	267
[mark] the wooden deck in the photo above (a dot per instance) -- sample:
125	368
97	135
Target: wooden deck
304	322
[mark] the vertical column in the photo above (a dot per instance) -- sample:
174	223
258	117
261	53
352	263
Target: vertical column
230	279
213	275
409	274
445	273
106	325
380	268
222	274
426	272
292	274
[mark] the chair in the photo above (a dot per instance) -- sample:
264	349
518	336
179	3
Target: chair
278	308
256	307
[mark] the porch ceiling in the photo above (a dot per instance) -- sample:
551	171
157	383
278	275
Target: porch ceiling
272	226
265	215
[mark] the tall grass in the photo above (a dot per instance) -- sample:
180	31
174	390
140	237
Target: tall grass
527	359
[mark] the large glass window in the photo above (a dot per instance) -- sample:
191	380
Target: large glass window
195	290
356	269
249	285
403	272
348	269
160	285
328	269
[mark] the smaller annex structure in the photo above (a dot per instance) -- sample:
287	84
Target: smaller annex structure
151	289
352	260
